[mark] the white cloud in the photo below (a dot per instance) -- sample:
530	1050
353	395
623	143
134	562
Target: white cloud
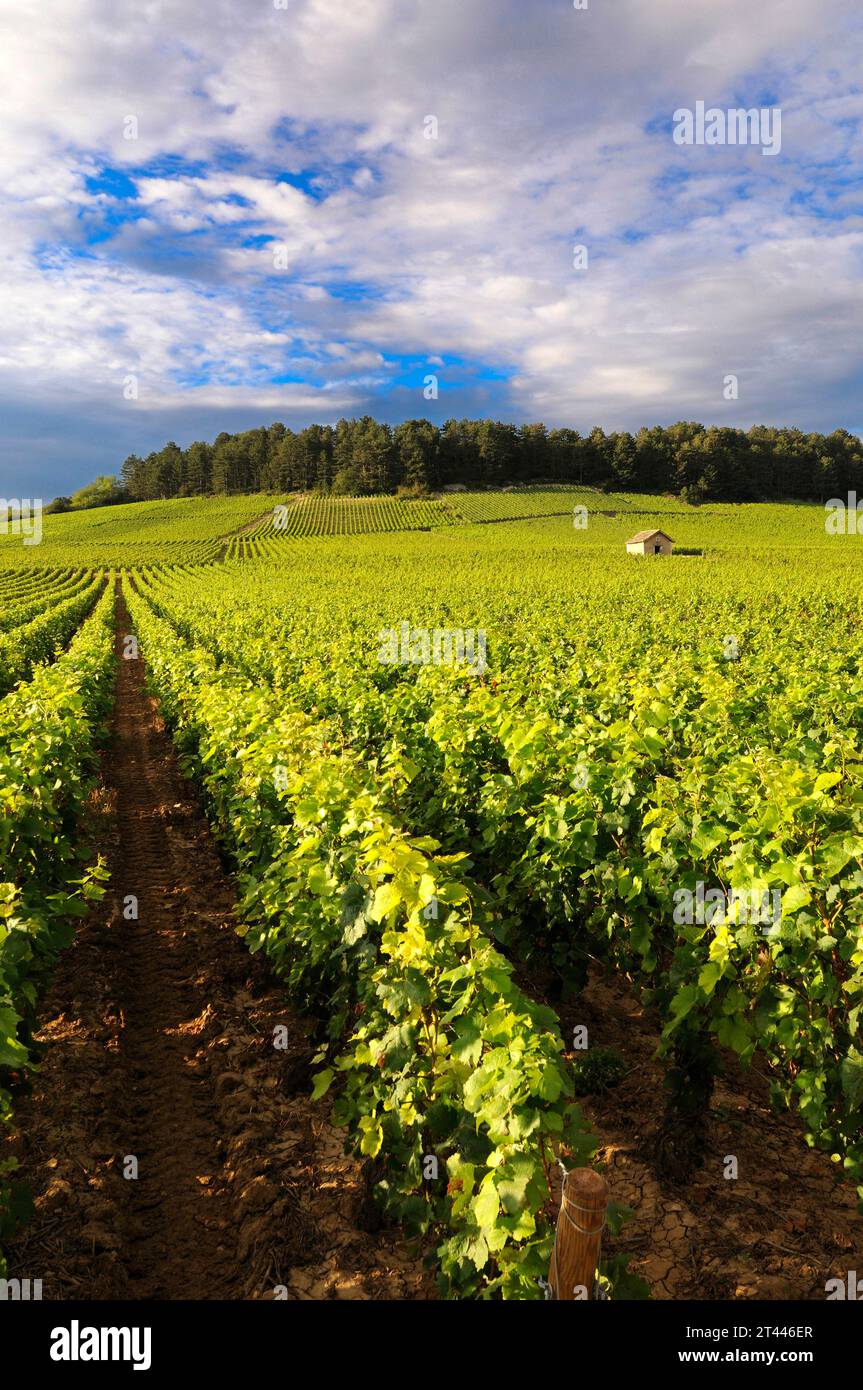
553	127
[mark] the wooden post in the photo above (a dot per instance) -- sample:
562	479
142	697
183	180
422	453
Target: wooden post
579	1234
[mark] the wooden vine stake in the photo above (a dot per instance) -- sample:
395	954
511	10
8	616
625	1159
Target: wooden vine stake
580	1225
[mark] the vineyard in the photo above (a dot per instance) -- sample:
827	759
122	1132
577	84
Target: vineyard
192	530
337	516
520	503
552	855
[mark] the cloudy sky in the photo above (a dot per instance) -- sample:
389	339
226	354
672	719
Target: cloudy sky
217	213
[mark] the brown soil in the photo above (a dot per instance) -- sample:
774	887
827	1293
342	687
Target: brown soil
780	1230
160	1045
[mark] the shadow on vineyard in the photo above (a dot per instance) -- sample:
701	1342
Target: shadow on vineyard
778	1231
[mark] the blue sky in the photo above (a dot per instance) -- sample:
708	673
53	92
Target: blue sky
247	217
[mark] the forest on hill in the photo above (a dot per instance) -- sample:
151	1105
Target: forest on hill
363	456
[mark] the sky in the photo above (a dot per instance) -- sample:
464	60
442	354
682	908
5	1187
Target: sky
216	215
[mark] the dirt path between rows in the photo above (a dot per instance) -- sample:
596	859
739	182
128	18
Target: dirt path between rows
159	1034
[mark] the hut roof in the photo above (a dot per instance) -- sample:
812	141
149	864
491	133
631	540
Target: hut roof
646	536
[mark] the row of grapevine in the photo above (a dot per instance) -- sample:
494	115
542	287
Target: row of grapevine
255	547
17	586
593	774
36	641
347	516
23	608
48	734
437	1052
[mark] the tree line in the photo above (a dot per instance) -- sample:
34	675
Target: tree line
363	456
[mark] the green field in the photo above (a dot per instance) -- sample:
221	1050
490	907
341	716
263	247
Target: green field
442	754
138	533
200	530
